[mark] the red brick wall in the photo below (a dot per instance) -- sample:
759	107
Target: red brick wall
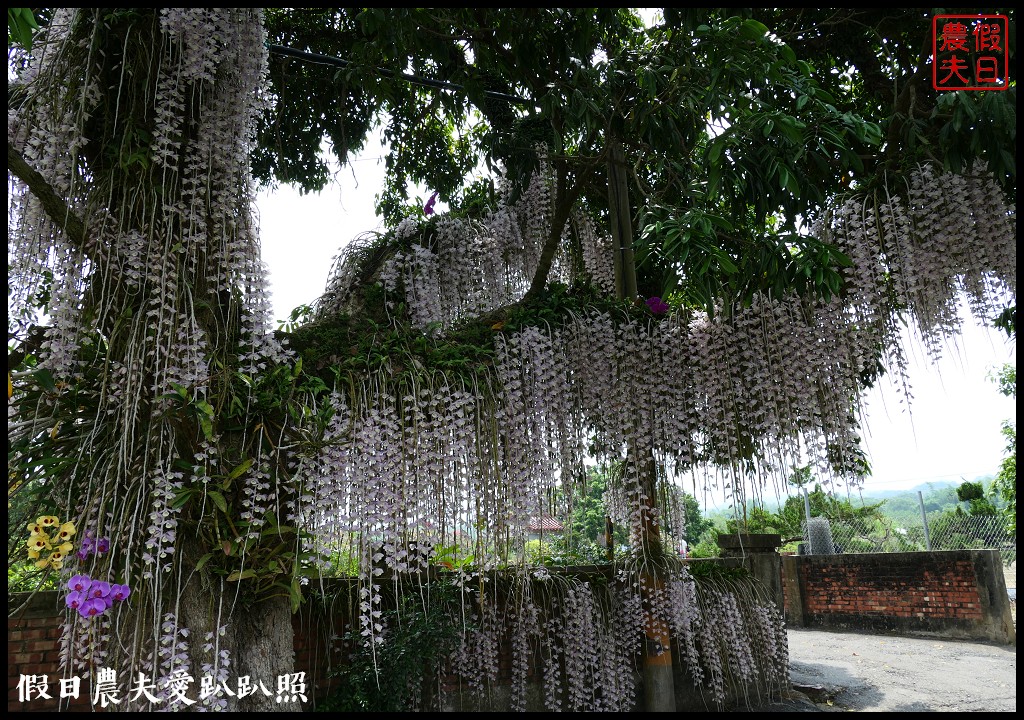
33	642
958	594
941	592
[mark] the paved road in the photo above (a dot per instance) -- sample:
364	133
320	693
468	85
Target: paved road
882	673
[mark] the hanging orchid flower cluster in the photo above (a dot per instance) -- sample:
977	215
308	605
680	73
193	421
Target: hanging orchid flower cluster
940	235
159	285
579	642
749	391
453	268
156	297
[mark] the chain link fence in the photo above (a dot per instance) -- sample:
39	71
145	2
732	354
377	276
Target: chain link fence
936	531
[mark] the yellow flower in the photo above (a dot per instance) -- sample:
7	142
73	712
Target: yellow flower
35	528
48	520
56	563
43	563
39	542
56	558
65	547
67	530
33	554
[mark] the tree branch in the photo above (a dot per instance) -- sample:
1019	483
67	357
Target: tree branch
53	205
564	201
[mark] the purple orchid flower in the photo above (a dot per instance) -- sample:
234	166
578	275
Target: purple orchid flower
120	592
657	305
75	599
92	607
80	583
99	589
91	545
428	209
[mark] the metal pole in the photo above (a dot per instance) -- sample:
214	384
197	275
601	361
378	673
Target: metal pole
924	520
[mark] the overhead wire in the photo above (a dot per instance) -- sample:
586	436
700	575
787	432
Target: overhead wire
412	79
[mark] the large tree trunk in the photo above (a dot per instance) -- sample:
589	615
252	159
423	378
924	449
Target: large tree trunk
132	136
258	639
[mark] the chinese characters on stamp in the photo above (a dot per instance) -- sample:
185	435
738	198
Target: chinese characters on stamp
171	691
969	52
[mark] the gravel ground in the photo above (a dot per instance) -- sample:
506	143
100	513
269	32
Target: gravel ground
861	672
834	671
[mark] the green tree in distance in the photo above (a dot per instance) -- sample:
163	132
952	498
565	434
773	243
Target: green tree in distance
1005	483
790	518
973	494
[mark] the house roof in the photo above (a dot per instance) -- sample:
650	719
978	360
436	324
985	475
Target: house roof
545	523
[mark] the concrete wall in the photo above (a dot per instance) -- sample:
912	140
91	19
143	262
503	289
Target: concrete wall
959	594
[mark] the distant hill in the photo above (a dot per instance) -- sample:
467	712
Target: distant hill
937	486
938	494
924	488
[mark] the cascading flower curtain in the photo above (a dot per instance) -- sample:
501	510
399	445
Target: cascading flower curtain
137	238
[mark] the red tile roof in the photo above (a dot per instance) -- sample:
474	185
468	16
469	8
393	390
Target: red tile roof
544	524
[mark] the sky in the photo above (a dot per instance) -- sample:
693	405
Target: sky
951	432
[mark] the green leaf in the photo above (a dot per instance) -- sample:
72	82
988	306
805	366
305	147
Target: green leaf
21	25
792	185
783	176
824	96
726	264
218	500
203	560
716	150
182	497
243	575
714	177
840	258
240	469
791	131
751	29
45	379
207	426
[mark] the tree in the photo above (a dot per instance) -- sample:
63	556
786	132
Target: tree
1005	483
973	494
791	517
465	365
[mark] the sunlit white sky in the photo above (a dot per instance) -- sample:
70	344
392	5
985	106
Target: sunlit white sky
952	428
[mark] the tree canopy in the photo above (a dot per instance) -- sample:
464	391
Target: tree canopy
1005	484
738	128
